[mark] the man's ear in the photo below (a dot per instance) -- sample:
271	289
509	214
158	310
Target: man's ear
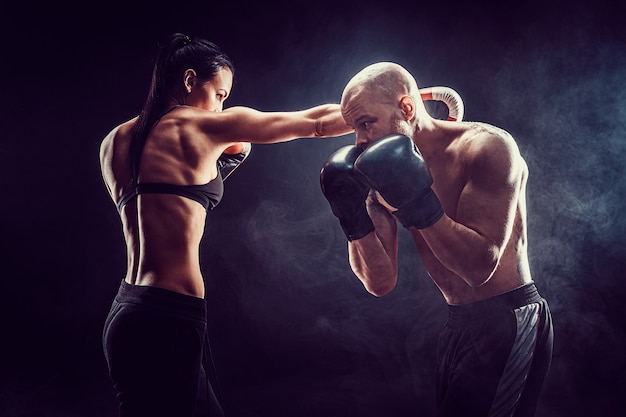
408	107
189	79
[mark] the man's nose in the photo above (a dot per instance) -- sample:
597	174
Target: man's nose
361	139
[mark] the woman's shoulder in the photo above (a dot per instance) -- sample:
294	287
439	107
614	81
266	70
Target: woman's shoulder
121	131
122	128
119	134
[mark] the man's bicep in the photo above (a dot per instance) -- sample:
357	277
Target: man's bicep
488	200
488	208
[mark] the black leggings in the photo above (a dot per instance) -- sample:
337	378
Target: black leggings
156	346
494	356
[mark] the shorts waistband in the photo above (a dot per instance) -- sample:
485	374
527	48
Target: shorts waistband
162	299
511	300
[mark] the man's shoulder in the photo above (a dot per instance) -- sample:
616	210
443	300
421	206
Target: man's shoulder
482	137
483	145
486	131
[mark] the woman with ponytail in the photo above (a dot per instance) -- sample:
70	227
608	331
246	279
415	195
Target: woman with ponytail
165	170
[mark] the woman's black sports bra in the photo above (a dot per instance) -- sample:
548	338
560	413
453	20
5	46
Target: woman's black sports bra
209	194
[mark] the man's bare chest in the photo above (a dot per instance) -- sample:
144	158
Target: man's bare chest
449	180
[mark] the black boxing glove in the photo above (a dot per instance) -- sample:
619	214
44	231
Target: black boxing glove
396	169
346	192
228	162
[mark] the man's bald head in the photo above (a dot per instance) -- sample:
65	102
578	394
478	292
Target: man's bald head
383	81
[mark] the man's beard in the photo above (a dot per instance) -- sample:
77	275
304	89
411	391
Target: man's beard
403	128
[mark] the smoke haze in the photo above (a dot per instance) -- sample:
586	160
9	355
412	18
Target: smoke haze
293	331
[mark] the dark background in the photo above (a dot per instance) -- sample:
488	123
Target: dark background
294	333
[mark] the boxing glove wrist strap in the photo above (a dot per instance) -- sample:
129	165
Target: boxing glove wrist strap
421	212
357	226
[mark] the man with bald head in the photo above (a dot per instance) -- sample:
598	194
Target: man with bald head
459	188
